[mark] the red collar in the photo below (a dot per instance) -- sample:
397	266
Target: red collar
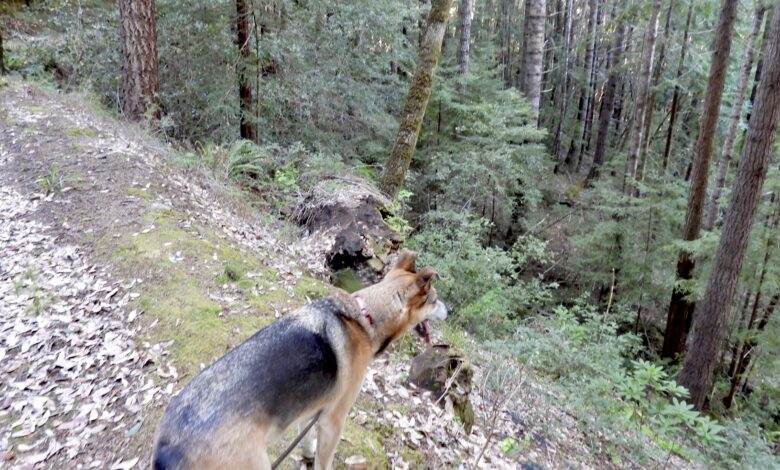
363	308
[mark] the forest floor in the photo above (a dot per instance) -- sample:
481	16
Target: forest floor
122	275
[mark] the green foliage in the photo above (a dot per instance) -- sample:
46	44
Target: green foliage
647	390
51	182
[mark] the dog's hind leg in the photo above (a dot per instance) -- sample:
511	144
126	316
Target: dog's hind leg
328	433
308	444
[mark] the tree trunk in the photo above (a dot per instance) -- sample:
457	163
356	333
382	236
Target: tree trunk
676	94
650	105
585	96
466	7
247	130
138	37
592	90
709	328
416	100
533	52
736	114
681	308
648	53
743	359
607	102
562	96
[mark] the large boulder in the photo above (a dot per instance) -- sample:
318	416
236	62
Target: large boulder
445	372
352	213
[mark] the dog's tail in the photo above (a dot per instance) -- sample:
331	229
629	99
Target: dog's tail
167	457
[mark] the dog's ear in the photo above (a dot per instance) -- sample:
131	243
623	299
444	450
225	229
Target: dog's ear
424	278
406	261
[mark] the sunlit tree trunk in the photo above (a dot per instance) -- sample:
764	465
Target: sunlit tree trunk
416	100
533	52
681	307
710	325
736	114
138	37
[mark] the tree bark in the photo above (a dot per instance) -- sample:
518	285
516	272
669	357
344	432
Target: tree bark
246	129
466	7
138	37
709	327
562	96
648	54
592	90
750	343
416	100
575	148
727	149
679	317
607	103
650	105
533	52
676	94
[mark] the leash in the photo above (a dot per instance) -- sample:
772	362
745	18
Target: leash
295	442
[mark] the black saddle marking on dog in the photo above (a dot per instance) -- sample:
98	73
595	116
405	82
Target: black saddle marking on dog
167	457
280	371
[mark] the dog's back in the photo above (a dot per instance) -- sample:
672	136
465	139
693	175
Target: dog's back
272	378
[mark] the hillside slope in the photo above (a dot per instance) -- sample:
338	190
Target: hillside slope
122	275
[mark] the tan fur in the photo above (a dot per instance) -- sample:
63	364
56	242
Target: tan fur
403	299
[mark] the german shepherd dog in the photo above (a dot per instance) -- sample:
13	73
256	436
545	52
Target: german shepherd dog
310	363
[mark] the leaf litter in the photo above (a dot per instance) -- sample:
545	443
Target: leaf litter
71	368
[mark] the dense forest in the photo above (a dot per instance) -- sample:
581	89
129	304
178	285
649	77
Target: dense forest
595	181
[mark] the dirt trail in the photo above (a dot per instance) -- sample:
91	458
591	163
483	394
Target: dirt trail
78	374
121	276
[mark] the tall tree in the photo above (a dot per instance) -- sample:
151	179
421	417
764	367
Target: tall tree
533	52
466	7
562	91
586	93
650	105
247	130
138	36
677	90
678	320
710	326
416	100
736	115
648	55
741	359
607	101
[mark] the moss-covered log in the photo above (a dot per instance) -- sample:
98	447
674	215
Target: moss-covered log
417	99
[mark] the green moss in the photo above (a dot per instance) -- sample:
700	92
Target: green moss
358	440
81	132
310	288
348	280
139	193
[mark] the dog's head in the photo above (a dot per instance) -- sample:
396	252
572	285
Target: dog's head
409	300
